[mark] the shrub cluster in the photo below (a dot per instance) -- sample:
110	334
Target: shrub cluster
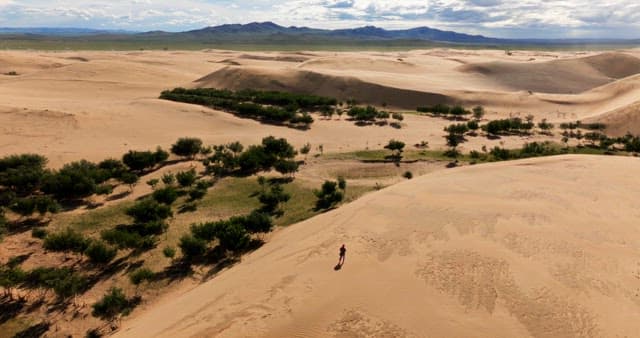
330	194
114	303
444	110
272	153
508	126
269	106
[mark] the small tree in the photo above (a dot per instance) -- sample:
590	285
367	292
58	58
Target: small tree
329	195
257	222
66	241
153	183
478	113
129	179
100	253
233	237
305	150
192	247
186	178
187	147
141	275
286	167
397	147
168	179
113	303
166	195
272	198
149	210
169	252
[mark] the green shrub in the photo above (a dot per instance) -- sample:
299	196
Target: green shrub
22	174
142	160
166	195
196	194
100	253
187	147
169	252
141	275
256	222
149	210
329	195
113	303
408	175
272	198
124	239
63	281
40	233
186	178
233	237
192	247
29	205
67	240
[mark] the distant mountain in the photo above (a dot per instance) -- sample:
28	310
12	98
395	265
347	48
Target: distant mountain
69	32
271	34
304	33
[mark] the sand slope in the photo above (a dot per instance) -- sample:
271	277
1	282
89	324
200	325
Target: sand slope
540	248
562	76
621	121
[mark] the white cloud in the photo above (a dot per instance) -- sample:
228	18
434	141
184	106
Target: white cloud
507	18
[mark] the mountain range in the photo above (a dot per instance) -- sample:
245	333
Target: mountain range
269	32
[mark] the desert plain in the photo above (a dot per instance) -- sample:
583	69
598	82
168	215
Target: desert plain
537	247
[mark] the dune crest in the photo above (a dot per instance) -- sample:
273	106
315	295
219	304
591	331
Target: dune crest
308	82
508	249
567	76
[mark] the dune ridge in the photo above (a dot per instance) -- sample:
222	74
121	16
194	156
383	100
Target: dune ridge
307	82
511	249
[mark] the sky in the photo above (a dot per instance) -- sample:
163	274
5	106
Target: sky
496	18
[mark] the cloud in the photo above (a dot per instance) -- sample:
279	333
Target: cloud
523	18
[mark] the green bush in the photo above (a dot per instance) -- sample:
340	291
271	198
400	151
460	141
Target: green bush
66	241
186	178
256	222
169	252
149	210
142	160
192	247
141	275
40	233
196	194
124	239
113	303
22	174
187	147
166	195
27	206
329	195
100	253
408	175
63	281
233	237
272	198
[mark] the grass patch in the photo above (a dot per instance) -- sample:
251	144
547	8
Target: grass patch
381	156
94	220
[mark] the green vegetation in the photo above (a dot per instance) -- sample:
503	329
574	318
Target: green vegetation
114	303
444	110
141	275
266	106
511	126
330	194
187	147
143	160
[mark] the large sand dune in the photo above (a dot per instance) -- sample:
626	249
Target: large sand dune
535	248
93	105
562	76
340	87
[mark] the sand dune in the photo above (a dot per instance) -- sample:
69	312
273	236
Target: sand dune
112	96
308	82
621	121
562	76
535	248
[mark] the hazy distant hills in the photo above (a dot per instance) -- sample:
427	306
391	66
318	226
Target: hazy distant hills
258	33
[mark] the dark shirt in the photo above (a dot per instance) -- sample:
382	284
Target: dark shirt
343	251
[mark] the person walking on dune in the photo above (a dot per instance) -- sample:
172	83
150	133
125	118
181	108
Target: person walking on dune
343	253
